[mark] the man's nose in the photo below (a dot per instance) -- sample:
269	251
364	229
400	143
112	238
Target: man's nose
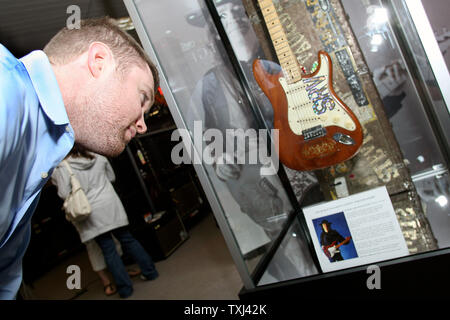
141	127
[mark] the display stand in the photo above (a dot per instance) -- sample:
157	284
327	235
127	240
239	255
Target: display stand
422	277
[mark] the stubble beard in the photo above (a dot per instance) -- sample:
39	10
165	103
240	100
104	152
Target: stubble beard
96	130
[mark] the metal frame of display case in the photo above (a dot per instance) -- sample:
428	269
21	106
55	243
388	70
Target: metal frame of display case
201	171
297	213
249	279
431	47
440	71
402	278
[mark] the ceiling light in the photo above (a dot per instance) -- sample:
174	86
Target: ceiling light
441	200
377	39
379	16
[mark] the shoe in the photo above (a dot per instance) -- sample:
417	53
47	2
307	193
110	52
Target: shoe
126	295
153	277
133	272
109	289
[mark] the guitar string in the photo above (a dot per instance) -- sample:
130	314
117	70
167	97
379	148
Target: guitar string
297	113
305	107
299	103
294	110
299	106
300	112
306	117
304	112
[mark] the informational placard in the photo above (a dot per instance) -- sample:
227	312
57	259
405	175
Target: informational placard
356	230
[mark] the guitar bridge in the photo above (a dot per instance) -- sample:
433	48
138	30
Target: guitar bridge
314	132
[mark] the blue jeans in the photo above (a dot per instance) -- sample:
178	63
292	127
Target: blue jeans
115	263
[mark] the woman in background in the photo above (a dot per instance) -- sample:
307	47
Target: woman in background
108	216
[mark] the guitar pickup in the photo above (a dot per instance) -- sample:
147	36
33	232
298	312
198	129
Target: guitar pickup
314	132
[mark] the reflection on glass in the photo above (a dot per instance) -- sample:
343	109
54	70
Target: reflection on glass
436	11
209	96
251	187
403	104
434	192
395	84
251	201
292	259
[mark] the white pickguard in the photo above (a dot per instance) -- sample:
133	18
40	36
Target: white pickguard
310	103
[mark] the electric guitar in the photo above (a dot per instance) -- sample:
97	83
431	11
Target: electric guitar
316	128
332	249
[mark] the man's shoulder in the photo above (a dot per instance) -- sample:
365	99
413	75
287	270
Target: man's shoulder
5	52
7	59
11	73
12	94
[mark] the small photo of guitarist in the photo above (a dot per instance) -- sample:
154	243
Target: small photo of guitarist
335	238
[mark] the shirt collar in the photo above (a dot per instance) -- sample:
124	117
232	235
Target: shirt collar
46	87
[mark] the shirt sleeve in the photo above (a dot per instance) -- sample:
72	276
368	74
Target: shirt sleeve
339	238
11	259
11	112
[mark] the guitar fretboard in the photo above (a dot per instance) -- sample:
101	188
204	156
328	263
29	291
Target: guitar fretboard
286	57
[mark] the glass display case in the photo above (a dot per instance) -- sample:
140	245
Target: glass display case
208	99
275	216
408	67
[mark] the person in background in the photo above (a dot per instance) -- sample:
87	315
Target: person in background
91	85
98	264
108	216
331	240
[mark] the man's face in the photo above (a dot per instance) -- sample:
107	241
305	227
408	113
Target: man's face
233	17
325	227
237	27
115	109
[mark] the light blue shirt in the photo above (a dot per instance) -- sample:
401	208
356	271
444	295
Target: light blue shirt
35	135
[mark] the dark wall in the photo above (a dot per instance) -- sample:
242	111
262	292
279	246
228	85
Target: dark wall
27	25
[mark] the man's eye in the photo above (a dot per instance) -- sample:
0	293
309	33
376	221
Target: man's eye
143	99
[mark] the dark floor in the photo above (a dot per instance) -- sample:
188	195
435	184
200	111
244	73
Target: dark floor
201	268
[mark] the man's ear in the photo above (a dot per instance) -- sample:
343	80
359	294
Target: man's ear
100	58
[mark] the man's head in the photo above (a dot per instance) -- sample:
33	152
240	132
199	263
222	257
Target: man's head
238	28
325	225
107	82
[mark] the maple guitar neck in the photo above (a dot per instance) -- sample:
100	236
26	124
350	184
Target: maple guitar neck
286	57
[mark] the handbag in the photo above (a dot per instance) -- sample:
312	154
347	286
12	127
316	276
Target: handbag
76	205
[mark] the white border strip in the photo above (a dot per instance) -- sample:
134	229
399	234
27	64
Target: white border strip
431	47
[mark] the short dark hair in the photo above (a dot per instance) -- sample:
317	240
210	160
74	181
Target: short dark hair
68	44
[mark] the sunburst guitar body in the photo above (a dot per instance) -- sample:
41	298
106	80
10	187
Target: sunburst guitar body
316	128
